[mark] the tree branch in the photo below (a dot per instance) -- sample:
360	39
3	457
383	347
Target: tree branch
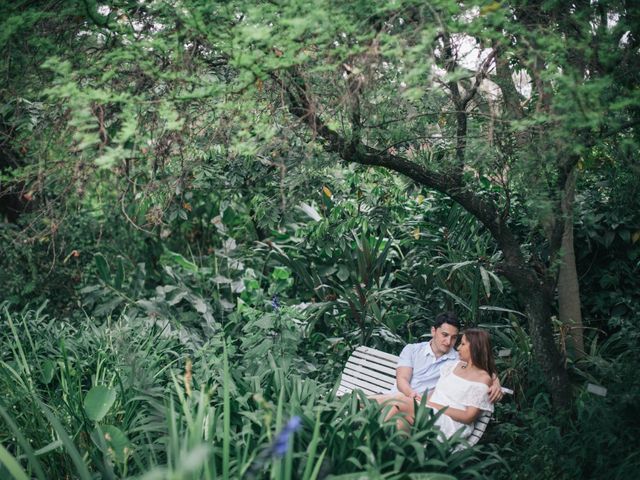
480	75
301	106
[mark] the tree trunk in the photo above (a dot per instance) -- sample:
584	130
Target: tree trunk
568	286
538	308
536	296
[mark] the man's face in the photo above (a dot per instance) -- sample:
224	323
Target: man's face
443	338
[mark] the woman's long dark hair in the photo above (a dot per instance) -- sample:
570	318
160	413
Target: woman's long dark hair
480	349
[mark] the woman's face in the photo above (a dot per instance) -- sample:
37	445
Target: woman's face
464	350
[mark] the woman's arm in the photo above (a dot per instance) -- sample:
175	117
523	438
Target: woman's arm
467	416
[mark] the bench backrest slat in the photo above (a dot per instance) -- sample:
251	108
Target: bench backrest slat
387	369
372	353
377	384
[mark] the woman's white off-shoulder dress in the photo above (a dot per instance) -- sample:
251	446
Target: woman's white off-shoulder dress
457	392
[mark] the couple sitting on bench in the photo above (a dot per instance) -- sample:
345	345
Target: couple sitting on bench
464	383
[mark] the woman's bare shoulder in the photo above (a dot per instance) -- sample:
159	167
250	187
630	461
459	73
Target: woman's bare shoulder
484	377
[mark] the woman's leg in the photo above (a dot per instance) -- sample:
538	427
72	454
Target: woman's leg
407	409
399	403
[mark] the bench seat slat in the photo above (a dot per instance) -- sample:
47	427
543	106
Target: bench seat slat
364	369
359	383
383	362
391	362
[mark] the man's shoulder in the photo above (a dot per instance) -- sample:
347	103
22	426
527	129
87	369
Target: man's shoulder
410	354
419	344
414	347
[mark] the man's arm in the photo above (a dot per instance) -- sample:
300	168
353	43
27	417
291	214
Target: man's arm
403	381
495	390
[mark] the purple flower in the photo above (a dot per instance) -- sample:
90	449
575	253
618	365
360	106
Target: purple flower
275	302
280	444
278	447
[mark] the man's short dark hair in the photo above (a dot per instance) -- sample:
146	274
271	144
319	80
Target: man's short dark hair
447	317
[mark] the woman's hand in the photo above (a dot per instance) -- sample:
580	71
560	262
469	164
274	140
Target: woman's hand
467	416
415	395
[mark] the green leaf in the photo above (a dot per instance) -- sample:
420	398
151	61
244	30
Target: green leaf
500	309
12	465
103	268
264	323
49	447
116	441
172	258
228	216
343	273
48	368
119	277
107	307
485	281
609	236
455	297
625	235
98	402
431	476
395	320
170	116
72	450
280	273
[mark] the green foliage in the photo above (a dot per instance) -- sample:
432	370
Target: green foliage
210	263
592	442
608	228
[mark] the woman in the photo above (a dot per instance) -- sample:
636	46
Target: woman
463	386
462	390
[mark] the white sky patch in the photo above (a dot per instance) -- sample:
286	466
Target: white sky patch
470	14
522	82
612	20
468	52
624	40
471	56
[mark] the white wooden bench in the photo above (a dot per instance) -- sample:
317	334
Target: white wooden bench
374	372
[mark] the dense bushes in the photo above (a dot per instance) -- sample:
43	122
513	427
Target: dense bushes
164	407
184	357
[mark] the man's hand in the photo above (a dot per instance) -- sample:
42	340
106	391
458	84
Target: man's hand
495	390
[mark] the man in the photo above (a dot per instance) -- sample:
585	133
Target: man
419	365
